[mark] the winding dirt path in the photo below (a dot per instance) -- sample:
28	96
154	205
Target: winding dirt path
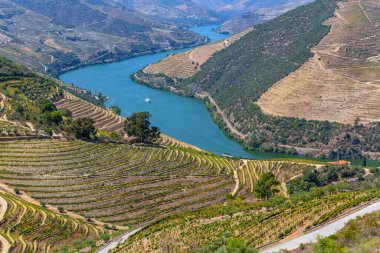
225	119
5	245
236	176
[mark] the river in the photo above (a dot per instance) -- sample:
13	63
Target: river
186	119
183	118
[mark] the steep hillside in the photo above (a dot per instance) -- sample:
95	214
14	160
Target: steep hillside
75	32
186	64
21	92
131	185
250	225
341	82
234	80
28	227
200	12
241	23
239	75
359	235
185	12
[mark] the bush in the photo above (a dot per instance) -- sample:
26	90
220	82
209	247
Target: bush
89	217
105	237
328	245
17	191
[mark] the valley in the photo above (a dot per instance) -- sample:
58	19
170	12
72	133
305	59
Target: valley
160	138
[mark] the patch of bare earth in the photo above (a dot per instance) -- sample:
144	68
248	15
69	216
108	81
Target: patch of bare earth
342	81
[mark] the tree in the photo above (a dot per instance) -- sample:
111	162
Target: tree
20	109
45	105
78	245
17	191
83	128
229	244
66	113
312	177
61	209
115	109
364	161
138	125
265	186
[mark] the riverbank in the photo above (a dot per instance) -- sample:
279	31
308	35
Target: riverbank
188	119
125	57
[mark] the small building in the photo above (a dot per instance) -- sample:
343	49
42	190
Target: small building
341	162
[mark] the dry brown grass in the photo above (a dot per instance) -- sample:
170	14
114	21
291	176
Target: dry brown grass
186	64
342	81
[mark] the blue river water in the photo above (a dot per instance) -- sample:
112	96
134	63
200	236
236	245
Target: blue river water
183	118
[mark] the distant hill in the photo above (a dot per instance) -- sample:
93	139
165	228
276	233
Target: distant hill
184	12
198	12
258	12
236	25
51	36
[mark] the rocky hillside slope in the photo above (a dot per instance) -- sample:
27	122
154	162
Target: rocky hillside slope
52	36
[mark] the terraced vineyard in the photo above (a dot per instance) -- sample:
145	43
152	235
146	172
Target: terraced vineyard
104	119
184	65
118	184
124	184
25	227
341	82
171	142
8	129
256	226
249	172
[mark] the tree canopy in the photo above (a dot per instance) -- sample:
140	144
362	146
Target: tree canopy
138	125
83	128
265	186
45	105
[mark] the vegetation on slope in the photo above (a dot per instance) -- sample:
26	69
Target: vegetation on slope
237	76
255	223
29	96
359	235
31	228
72	33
